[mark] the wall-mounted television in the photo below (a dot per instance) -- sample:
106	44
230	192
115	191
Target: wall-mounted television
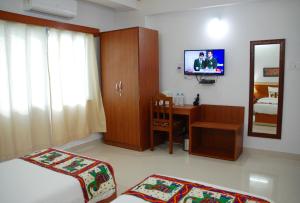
204	62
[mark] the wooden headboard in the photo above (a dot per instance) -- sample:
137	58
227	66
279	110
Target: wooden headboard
261	89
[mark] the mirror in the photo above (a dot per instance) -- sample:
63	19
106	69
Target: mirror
266	88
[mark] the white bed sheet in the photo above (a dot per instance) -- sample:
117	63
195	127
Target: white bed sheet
265	108
21	181
132	199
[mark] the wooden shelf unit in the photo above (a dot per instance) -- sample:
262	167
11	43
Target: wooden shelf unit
215	125
217	131
213	153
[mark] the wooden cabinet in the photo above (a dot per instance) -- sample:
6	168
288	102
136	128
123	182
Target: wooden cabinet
217	131
129	77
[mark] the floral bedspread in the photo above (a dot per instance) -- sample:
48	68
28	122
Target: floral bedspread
95	177
161	189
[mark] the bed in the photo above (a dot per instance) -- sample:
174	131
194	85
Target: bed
163	189
265	110
56	176
266	103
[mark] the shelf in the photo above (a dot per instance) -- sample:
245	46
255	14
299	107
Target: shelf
213	153
216	125
216	131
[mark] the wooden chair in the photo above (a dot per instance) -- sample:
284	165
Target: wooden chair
161	119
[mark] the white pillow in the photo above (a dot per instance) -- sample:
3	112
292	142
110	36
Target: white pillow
268	100
273	92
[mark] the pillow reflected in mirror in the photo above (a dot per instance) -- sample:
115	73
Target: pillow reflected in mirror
273	92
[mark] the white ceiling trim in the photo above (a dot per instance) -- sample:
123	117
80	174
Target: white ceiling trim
156	7
118	5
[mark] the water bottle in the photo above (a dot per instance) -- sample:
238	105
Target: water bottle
181	99
177	99
174	99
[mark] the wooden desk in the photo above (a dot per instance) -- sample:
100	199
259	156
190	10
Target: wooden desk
214	131
183	110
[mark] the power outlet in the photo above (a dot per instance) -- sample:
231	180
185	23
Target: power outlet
295	66
179	67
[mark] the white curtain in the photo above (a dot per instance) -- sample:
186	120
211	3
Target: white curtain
76	103
49	88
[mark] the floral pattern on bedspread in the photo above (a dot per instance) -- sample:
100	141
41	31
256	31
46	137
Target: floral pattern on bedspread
162	189
95	177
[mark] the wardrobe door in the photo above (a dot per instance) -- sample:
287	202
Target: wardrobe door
119	56
110	77
130	91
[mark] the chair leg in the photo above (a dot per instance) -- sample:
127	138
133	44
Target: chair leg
170	143
152	140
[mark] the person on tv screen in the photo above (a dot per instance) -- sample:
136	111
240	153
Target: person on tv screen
210	61
199	63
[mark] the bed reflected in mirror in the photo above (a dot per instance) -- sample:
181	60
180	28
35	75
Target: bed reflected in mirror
266	79
266	88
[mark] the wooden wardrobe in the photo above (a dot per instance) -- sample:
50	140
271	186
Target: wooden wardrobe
130	77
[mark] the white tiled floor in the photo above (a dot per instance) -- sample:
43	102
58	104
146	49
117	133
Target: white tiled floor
273	175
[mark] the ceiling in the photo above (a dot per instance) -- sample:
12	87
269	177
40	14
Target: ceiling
118	5
152	7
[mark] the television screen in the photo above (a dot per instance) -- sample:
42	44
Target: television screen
204	62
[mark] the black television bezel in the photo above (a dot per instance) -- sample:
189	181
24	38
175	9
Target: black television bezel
206	74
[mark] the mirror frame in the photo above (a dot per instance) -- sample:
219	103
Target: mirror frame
281	42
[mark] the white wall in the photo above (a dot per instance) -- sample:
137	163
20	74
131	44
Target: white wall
266	56
130	19
153	7
251	21
89	14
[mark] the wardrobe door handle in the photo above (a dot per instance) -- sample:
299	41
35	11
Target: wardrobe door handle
120	86
117	87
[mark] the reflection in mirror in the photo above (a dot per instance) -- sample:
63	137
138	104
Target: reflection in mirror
266	79
266	88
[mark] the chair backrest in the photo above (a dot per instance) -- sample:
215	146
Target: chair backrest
161	115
